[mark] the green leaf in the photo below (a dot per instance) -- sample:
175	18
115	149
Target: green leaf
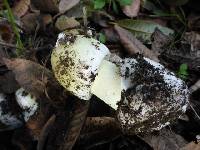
102	38
125	2
183	71
11	19
143	29
115	7
99	4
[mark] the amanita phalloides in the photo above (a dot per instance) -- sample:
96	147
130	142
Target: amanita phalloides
145	95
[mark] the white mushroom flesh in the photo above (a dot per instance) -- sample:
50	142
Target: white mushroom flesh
27	102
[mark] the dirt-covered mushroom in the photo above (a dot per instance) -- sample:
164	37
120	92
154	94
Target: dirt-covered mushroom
145	95
27	102
9	119
75	62
15	111
152	98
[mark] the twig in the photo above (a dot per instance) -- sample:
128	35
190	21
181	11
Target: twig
194	111
195	87
36	49
85	22
10	45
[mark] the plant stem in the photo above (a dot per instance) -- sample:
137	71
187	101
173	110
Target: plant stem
20	47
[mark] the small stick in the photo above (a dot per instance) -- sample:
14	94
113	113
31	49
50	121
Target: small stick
195	87
10	45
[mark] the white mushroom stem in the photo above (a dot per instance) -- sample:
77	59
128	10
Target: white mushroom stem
107	84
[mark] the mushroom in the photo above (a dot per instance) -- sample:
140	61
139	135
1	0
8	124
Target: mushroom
145	95
27	102
151	98
13	118
8	118
75	62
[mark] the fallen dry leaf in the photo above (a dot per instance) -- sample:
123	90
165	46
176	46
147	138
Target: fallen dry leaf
99	123
8	84
75	125
46	19
6	34
159	40
65	5
46	5
193	38
188	51
194	22
133	9
21	7
191	146
166	140
36	79
44	133
64	22
102	18
55	6
29	22
133	45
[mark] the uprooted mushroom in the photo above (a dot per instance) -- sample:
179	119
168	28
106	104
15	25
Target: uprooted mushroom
145	95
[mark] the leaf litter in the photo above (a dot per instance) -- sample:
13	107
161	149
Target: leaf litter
63	122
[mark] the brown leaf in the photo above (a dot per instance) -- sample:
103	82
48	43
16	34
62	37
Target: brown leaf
63	23
46	5
29	22
187	51
191	146
75	125
8	84
102	18
159	40
35	79
193	38
55	6
44	133
133	9
46	19
22	139
65	5
194	22
133	45
111	35
99	123
6	33
166	140
20	8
